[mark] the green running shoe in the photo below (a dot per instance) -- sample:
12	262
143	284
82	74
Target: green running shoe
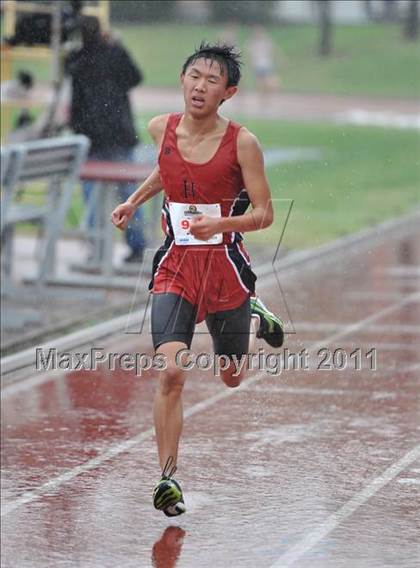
179	507
167	495
271	326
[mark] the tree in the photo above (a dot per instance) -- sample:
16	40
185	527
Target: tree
390	10
369	10
135	11
244	11
411	20
325	27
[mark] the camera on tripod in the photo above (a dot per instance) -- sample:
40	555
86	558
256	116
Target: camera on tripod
35	29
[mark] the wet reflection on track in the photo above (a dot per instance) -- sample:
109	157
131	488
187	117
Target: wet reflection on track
167	550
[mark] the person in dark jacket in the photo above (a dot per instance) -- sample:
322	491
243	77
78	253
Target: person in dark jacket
102	74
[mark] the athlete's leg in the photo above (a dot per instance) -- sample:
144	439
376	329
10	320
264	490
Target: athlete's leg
168	404
231	377
230	331
173	322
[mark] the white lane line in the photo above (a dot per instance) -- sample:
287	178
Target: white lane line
296	552
374	295
409	481
68	342
404	270
364	322
390	329
117	449
42	378
366	117
379	346
314	391
364	346
31	382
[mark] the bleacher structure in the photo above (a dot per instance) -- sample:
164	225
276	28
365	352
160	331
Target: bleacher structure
56	162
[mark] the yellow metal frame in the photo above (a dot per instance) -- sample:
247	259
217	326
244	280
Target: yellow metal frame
10	11
10	54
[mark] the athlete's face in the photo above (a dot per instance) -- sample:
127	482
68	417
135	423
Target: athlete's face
205	86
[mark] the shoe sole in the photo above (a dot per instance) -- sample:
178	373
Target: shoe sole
175	510
274	338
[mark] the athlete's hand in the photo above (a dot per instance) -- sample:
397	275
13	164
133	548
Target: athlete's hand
122	214
203	227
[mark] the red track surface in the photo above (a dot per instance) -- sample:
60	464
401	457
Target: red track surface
315	468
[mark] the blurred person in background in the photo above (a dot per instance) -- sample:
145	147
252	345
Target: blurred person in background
262	60
102	74
20	88
229	33
17	88
27	124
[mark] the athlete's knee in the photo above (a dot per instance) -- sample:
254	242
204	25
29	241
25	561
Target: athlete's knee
231	382
171	381
231	378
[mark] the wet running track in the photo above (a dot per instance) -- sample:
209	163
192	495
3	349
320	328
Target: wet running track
316	467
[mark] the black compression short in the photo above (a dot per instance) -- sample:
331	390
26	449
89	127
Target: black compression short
173	319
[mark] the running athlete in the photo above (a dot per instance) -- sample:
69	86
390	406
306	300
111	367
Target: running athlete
211	170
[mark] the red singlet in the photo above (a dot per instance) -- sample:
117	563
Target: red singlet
212	277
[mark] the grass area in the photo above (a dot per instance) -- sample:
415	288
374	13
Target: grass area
371	60
367	175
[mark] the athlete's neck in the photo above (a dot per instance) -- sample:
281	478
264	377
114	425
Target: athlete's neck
200	126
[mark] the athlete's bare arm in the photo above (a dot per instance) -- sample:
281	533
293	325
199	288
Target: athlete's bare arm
150	187
250	158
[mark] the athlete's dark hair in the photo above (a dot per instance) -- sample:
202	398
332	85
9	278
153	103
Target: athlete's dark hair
225	54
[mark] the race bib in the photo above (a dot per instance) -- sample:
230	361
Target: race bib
181	217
